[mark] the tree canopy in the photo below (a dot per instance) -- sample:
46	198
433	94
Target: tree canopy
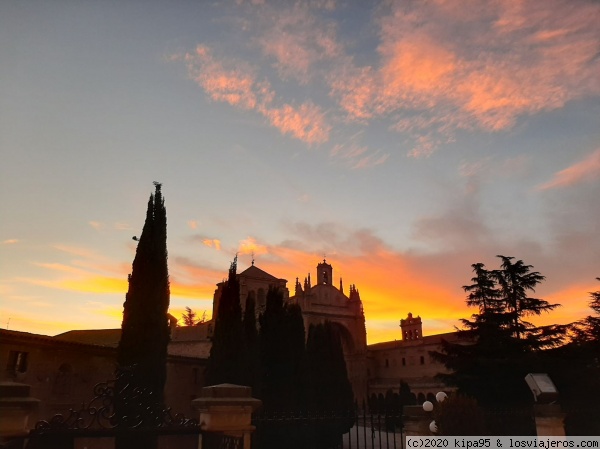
497	347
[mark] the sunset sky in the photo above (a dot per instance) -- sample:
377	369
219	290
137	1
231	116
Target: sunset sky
402	140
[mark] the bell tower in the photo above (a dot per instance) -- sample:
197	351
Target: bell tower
412	328
324	273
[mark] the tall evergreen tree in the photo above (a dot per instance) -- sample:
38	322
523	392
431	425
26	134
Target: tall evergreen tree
497	347
515	280
281	343
587	331
226	363
251	340
142	350
329	390
282	367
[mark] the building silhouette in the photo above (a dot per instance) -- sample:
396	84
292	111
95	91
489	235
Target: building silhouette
62	370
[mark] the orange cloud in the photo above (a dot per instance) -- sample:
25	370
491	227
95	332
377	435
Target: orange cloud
10	241
212	243
587	169
192	224
197	291
92	284
251	246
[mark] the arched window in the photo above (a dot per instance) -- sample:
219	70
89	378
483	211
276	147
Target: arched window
62	381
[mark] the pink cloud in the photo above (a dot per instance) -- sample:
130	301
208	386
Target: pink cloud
586	169
438	67
234	85
306	122
296	39
238	87
443	67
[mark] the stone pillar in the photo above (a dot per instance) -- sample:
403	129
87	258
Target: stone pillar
16	409
549	420
227	409
416	422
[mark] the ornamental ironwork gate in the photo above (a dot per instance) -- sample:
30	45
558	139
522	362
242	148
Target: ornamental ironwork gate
148	420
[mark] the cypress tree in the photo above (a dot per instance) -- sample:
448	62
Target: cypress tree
329	390
251	339
226	363
281	383
281	343
142	350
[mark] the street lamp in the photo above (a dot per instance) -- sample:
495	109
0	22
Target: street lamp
428	407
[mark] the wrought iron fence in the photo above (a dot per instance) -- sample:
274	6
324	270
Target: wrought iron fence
354	429
146	420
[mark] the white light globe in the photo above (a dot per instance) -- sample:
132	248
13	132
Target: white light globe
427	406
433	427
441	396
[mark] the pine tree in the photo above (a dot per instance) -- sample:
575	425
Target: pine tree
515	280
497	347
587	331
142	350
226	363
189	317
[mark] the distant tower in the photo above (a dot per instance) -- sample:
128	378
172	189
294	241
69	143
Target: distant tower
412	328
324	273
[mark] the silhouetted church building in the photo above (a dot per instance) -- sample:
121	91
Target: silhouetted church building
63	369
372	369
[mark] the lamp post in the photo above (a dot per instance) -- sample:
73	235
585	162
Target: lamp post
428	407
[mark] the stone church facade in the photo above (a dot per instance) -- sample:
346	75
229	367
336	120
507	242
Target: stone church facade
373	370
319	303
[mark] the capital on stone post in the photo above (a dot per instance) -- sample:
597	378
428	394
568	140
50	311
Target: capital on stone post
227	409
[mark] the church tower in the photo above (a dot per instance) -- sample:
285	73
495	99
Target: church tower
324	273
412	328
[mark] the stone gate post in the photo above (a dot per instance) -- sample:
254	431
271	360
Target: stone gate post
549	420
227	409
17	408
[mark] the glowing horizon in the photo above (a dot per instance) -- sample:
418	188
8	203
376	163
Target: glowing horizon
403	141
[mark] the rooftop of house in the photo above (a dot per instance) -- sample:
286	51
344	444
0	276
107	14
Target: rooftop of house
99	337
